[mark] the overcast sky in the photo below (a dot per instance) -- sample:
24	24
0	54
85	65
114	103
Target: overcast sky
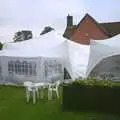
35	14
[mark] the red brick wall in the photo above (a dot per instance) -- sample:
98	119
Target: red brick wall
88	30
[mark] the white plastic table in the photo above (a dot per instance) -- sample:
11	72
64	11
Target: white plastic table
41	86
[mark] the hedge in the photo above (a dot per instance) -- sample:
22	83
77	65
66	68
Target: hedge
83	96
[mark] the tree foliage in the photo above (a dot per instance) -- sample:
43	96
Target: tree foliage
46	30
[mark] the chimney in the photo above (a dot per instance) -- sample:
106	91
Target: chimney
69	21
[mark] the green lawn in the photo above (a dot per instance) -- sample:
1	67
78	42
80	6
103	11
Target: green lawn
13	106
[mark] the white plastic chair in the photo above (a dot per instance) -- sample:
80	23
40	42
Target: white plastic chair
53	87
30	89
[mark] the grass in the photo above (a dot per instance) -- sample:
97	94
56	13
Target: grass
13	106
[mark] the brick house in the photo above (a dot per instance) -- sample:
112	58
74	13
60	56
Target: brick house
88	28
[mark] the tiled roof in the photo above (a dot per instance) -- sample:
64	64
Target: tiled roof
112	28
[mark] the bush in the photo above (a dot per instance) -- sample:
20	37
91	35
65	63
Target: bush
91	95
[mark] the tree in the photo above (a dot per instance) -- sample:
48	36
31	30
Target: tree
22	35
46	30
